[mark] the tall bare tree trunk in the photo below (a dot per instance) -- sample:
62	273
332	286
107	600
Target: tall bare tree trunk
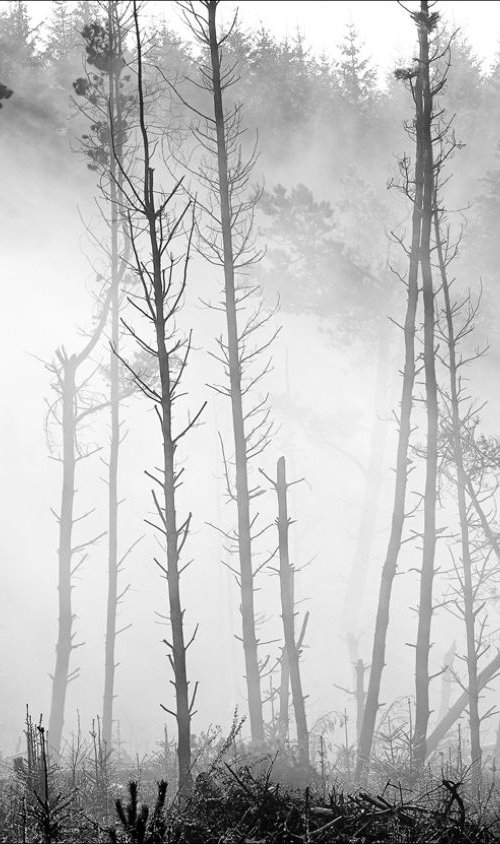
398	514
148	212
288	616
253	678
360	695
112	597
64	645
113	564
284	698
446	681
483	678
425	609
73	412
461	487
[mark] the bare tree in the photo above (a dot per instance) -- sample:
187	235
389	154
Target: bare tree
484	677
115	25
468	464
446	681
229	208
420	190
426	24
291	652
466	592
414	189
154	225
73	405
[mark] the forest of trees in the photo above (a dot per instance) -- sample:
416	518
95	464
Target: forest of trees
258	291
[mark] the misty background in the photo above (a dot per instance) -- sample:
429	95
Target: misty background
318	87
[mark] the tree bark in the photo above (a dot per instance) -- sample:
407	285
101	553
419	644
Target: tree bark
288	616
114	395
253	679
446	682
425	609
461	487
439	732
64	645
161	312
284	715
66	388
398	514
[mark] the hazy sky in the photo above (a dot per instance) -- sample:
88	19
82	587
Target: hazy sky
386	29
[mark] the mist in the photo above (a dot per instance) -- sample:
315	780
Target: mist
323	141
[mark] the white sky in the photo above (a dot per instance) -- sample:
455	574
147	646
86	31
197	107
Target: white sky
386	29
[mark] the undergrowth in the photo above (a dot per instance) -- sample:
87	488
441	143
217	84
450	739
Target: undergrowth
236	797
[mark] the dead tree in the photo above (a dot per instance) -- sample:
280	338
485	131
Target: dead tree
484	677
446	681
465	602
291	649
474	587
426	24
414	189
116	119
154	225
420	190
466	463
73	405
227	242
105	100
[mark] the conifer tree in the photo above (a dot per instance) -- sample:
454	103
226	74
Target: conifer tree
357	78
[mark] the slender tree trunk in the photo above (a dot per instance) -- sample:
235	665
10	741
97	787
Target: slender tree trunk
425	609
360	669
253	678
371	500
112	598
461	481
496	753
284	715
439	732
446	682
489	534
288	616
169	477
64	645
398	514
114	395
65	371
183	711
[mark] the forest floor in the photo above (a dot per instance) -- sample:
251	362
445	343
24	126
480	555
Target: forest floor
253	802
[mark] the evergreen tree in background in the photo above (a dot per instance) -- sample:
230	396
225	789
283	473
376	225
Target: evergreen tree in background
357	78
63	45
18	55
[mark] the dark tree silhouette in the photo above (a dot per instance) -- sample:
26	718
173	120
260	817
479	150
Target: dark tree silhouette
154	225
291	654
230	206
414	187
